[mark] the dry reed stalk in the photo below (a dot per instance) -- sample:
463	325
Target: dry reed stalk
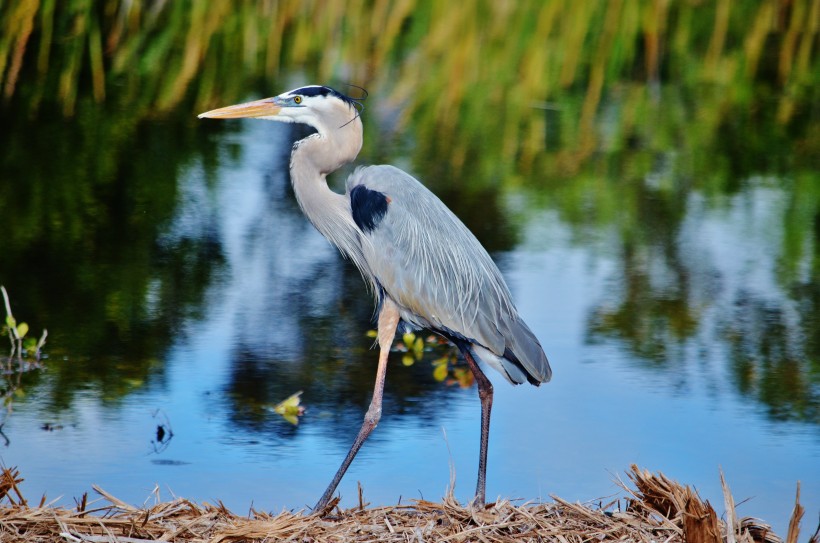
658	510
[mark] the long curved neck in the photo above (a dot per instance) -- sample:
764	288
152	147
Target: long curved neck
323	207
313	158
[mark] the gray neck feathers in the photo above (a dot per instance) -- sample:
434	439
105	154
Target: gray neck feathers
313	158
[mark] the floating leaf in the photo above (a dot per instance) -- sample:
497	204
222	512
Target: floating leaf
19	392
293	419
464	377
408	360
440	373
440	361
30	344
290	409
22	330
418	348
408	339
291	402
372	333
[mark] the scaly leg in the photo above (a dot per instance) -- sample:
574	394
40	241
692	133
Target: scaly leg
388	321
485	394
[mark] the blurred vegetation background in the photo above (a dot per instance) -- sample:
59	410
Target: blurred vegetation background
452	69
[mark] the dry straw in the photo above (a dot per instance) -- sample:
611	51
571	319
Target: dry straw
656	510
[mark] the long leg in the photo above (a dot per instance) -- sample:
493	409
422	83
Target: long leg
485	394
388	321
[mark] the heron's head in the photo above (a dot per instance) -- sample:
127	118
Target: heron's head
321	107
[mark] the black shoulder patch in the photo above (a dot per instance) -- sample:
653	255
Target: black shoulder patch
368	207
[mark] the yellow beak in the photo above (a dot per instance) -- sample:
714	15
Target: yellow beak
266	107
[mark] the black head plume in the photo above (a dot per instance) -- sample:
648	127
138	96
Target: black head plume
355	102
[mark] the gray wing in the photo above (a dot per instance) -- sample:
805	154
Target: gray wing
438	273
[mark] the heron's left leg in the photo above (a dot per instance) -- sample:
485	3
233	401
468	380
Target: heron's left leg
485	394
388	321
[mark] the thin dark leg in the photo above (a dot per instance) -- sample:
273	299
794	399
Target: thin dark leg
388	321
485	394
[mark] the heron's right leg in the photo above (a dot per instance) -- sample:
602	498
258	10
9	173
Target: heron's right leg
485	395
388	321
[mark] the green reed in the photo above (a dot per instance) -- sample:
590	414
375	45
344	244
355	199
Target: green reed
436	57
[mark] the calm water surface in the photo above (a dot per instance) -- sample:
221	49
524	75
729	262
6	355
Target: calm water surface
245	304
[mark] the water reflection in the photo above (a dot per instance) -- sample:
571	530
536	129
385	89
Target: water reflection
88	202
296	311
711	283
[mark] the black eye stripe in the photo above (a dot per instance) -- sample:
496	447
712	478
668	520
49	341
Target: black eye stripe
313	91
316	90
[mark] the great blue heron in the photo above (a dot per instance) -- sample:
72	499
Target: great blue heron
425	267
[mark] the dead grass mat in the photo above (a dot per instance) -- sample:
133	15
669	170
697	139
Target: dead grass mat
654	509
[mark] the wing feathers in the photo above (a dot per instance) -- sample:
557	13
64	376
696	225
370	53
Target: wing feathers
440	276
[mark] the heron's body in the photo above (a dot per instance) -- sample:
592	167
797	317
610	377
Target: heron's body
412	251
424	266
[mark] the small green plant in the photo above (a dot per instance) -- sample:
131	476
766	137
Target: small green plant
446	368
290	408
414	346
22	346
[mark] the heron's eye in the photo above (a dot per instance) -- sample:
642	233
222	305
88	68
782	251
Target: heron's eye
297	99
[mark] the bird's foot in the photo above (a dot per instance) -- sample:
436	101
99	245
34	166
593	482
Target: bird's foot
325	506
477	503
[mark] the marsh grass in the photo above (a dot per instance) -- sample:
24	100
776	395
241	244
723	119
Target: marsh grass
448	65
656	509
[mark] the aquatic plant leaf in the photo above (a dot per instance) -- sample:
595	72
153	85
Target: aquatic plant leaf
408	360
22	330
408	339
418	348
291	418
440	373
290	406
464	377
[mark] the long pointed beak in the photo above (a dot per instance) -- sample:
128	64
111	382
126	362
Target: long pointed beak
266	107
